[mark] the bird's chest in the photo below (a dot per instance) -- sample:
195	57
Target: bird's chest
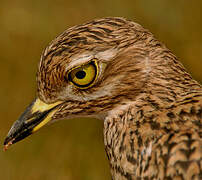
129	156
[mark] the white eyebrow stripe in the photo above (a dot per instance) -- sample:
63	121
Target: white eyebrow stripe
80	59
106	55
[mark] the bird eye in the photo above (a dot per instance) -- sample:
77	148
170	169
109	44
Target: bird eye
84	76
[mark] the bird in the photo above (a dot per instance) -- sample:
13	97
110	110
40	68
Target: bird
115	70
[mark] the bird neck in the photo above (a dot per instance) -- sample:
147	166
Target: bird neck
165	84
167	77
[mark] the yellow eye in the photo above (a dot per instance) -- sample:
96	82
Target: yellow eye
84	76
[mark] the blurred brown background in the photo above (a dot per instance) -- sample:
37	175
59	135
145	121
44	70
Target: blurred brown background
74	149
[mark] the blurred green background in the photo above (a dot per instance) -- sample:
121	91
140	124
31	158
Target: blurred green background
73	149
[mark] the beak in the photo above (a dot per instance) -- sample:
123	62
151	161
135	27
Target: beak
35	116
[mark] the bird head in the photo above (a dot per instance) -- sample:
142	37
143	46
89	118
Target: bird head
86	71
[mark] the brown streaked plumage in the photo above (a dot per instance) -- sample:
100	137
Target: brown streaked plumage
151	107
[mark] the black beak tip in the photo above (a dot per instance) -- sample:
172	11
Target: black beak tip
12	138
7	142
7	139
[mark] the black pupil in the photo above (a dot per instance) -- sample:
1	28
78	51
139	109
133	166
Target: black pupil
80	74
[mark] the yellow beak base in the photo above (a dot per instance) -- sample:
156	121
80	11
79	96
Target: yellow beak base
35	116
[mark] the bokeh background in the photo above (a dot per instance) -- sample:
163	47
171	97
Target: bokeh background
73	149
